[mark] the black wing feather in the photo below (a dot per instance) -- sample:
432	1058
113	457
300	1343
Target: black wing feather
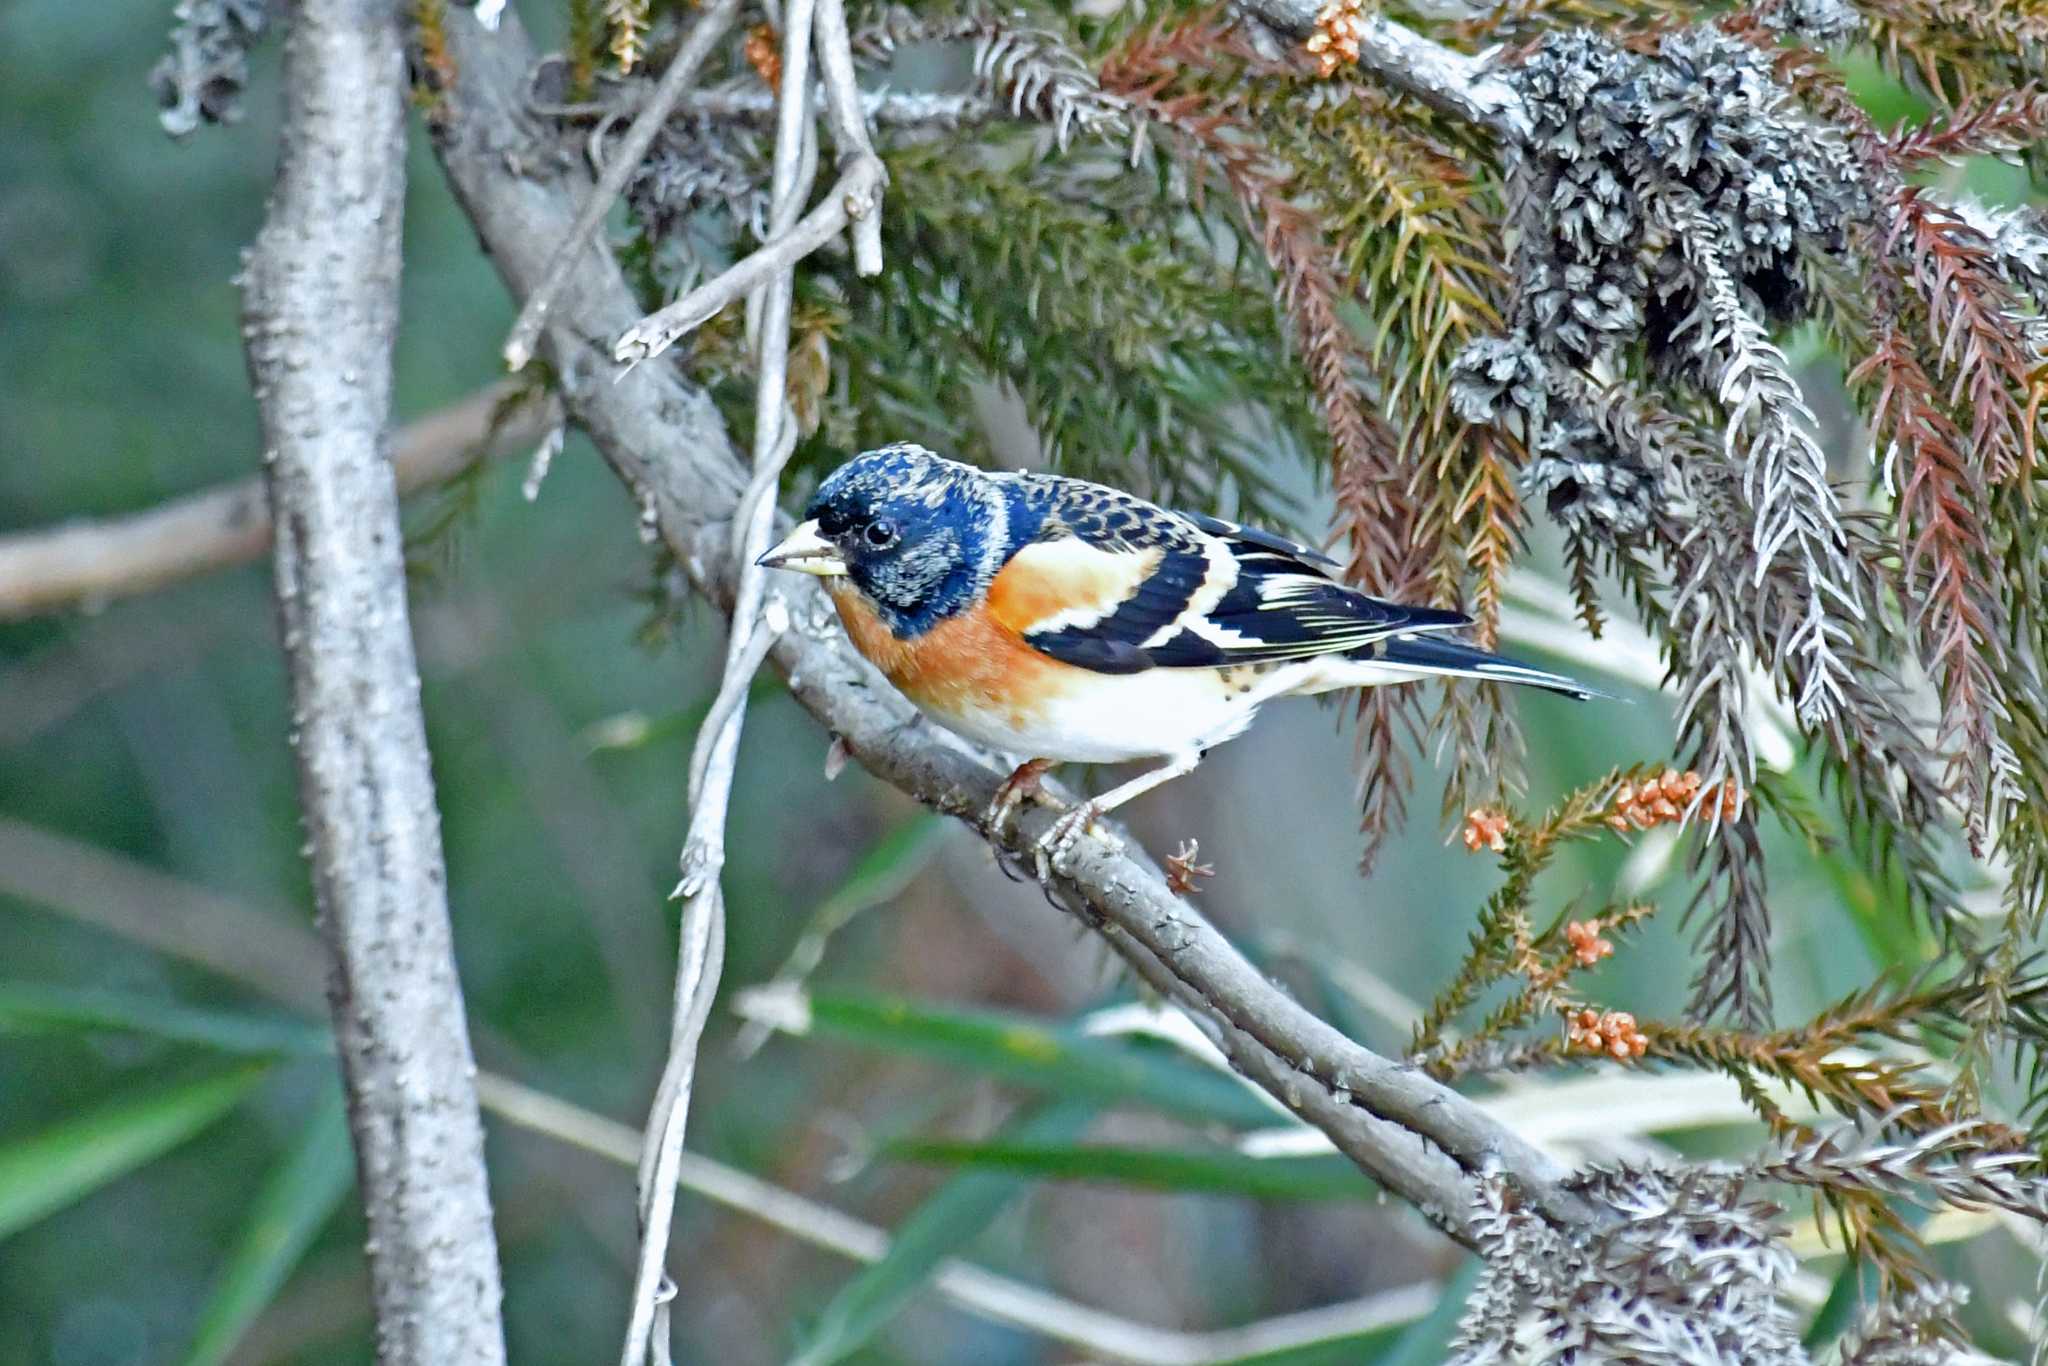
1283	605
1263	540
1113	644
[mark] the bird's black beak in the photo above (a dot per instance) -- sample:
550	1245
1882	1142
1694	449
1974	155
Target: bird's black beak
805	551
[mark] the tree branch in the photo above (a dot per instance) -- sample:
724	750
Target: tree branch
1404	60
850	200
91	563
667	442
321	313
754	104
682	70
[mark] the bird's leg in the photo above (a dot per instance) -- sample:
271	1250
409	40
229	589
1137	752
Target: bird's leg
1055	843
1019	785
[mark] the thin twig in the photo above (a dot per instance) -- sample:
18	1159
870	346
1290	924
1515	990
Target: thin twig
752	104
850	127
91	563
320	299
533	314
857	188
757	622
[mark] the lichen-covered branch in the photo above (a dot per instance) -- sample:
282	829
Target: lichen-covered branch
320	316
898	108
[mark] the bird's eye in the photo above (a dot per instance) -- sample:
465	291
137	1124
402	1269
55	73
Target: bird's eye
881	533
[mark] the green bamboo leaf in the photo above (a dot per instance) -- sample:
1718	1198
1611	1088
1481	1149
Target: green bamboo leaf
959	1210
294	1204
43	1172
1203	1171
1017	1048
32	1009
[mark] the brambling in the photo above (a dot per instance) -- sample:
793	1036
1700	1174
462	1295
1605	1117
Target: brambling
1062	621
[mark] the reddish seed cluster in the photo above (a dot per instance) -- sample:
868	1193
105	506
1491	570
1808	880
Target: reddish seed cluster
1612	1032
764	54
1339	26
1587	945
1486	828
1663	799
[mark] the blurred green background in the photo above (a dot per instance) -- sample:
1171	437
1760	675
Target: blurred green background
169	1137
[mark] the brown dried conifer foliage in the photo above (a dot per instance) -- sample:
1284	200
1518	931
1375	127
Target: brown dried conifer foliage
1369	474
1385	280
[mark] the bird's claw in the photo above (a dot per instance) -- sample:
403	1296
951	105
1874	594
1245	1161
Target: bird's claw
1058	842
1022	783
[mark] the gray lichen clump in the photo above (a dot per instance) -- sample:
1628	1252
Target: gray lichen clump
1692	1272
1575	470
1819	23
200	80
1647	187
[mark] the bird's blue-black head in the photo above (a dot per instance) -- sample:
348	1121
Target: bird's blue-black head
921	536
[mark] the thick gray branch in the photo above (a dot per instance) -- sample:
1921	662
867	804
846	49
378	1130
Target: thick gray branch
321	312
665	439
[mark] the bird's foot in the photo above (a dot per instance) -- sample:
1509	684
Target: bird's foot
1020	785
1058	842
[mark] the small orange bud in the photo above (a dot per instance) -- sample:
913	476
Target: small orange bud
1340	24
764	54
1664	798
1613	1033
1486	828
1587	945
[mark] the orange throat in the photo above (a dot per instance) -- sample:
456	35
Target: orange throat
969	665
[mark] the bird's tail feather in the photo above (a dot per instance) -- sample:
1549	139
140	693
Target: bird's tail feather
1434	654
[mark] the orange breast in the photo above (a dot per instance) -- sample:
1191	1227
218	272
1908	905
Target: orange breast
969	664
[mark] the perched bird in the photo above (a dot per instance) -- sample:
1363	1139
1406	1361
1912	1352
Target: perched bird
1062	621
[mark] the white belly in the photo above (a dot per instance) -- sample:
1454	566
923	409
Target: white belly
1112	718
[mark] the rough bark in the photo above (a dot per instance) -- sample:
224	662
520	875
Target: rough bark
321	312
666	441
